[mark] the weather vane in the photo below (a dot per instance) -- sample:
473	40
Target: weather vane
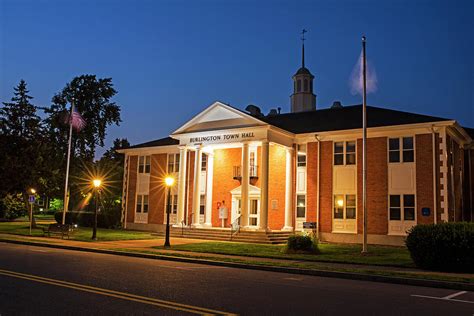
302	34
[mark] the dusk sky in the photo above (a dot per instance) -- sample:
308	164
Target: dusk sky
171	59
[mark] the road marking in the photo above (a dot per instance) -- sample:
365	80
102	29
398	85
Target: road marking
448	298
454	295
116	294
293	279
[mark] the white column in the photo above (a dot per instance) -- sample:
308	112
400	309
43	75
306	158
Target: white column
245	185
197	186
183	151
209	175
264	187
288	186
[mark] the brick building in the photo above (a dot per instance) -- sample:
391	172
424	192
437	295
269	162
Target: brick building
266	173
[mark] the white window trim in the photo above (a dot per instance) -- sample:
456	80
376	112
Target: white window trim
344	152
400	150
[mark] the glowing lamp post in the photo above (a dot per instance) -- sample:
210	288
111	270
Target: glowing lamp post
31	200
97	183
169	182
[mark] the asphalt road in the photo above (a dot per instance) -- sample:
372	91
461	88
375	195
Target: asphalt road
40	281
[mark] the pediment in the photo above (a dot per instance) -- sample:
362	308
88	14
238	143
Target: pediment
218	116
253	190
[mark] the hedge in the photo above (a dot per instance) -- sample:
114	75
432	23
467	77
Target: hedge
443	247
301	243
86	219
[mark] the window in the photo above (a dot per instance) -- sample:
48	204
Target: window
345	206
301	157
409	207
253	161
396	202
404	153
144	164
204	162
306	85
301	206
298	86
345	153
350	153
408	151
350	206
311	86
173	163
253	214
174	204
202	204
395	208
142	204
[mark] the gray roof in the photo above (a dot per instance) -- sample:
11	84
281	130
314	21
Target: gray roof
330	119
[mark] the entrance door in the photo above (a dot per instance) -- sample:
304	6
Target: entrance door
236	211
254	212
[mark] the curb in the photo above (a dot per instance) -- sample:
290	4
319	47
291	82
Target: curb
321	273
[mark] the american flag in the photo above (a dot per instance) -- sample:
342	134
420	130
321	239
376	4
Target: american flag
356	80
76	120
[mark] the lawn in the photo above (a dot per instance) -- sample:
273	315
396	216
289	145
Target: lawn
378	255
80	233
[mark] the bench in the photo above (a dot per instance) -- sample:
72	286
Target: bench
58	229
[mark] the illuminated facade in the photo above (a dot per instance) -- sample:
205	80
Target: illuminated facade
275	172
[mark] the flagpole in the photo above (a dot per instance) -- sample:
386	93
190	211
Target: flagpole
364	145
66	198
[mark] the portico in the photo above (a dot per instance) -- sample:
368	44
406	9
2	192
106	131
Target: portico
206	136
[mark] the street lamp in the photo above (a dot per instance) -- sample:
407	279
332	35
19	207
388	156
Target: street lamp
97	183
31	200
169	182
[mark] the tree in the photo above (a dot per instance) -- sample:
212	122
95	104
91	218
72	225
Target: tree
92	99
18	118
21	141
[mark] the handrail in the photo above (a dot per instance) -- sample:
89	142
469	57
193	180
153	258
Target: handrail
182	228
235	224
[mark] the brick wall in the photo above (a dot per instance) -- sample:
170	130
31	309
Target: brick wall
377	186
325	192
132	188
276	187
223	182
424	176
156	202
312	181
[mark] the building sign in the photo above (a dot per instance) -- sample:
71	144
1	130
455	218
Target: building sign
226	137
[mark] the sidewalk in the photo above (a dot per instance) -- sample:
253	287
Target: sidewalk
146	249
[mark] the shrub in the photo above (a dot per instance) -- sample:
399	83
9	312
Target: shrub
12	206
302	243
444	247
86	219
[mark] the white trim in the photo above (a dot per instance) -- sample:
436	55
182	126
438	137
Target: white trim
216	104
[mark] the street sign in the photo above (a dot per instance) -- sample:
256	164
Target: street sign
31	198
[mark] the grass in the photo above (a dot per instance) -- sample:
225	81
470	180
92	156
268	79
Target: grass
388	271
80	233
378	255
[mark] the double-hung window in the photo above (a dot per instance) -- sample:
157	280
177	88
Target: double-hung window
144	164
402	207
344	153
142	203
401	150
345	206
301	206
301	157
173	163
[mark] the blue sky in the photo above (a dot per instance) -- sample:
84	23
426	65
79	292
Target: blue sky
170	59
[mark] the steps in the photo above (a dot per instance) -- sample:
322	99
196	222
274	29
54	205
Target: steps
258	237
